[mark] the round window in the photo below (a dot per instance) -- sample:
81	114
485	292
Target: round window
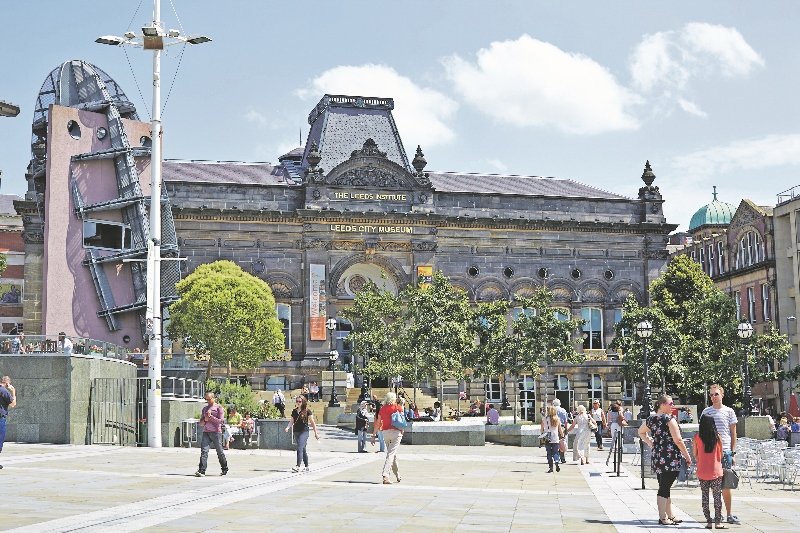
101	133
473	271
74	129
609	275
508	272
543	273
576	273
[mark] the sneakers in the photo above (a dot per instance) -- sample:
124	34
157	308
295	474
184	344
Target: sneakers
558	468
200	474
224	471
734	519
306	470
295	469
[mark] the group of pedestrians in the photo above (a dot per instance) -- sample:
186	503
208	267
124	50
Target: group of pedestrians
713	449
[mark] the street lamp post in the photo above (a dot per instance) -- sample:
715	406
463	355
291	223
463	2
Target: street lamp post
154	38
744	330
789	340
334	355
644	330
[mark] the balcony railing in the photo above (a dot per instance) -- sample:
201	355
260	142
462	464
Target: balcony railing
49	344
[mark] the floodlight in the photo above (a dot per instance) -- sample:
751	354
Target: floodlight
150	31
110	39
173	33
197	39
129	35
8	110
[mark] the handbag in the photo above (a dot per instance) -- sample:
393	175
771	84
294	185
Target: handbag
544	439
730	479
562	441
399	420
592	424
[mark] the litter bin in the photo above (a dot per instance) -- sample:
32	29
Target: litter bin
189	431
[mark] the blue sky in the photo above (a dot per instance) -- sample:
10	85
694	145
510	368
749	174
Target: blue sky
582	90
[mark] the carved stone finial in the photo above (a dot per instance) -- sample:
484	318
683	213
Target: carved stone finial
647	176
419	160
314	157
715	193
370	148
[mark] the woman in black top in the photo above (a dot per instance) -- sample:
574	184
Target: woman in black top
301	417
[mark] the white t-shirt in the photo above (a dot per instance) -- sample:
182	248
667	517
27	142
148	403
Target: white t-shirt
597	414
723	418
553	430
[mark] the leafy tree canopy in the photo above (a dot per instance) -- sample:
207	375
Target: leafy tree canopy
228	314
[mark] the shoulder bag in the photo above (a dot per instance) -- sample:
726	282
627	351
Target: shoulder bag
730	479
399	420
592	424
562	441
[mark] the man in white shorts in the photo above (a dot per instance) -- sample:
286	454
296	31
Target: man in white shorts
725	420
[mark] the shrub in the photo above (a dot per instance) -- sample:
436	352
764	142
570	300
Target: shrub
236	395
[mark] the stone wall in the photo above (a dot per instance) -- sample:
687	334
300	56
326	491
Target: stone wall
53	395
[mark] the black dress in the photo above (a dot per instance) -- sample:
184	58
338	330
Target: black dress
665	455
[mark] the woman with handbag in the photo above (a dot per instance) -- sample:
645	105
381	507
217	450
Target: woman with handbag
665	456
585	425
391	434
299	421
599	418
551	432
707	450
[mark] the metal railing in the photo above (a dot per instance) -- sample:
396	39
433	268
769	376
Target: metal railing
788	195
113	411
49	344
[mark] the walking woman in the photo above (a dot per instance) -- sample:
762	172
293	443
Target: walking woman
552	424
580	448
665	455
299	421
392	435
707	450
599	417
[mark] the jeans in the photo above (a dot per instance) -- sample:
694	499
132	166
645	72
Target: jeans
552	453
598	435
381	441
302	440
393	438
362	439
207	441
2	432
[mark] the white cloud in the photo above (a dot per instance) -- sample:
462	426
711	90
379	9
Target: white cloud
748	154
691	108
421	113
663	64
527	82
254	116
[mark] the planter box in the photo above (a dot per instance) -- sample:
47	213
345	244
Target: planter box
271	435
444	434
331	414
526	436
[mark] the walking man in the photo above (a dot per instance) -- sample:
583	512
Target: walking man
211	419
8	399
725	420
279	401
18	344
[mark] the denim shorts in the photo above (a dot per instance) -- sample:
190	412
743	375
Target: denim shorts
727	459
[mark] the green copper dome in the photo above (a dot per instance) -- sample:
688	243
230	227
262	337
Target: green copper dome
715	213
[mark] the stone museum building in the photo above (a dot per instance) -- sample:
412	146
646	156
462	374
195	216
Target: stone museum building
349	206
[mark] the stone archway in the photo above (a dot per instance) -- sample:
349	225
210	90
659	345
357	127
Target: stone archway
351	274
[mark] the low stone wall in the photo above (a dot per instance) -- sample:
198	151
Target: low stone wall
445	434
271	434
347	422
754	427
173	412
330	415
526	436
794	439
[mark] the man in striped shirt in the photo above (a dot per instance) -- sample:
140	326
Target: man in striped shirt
725	420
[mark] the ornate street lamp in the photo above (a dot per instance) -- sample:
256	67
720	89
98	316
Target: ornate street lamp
334	355
744	330
644	330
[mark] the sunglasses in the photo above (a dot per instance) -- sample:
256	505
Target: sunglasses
714	394
670	403
299	401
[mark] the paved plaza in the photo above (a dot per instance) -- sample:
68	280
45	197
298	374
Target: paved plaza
54	488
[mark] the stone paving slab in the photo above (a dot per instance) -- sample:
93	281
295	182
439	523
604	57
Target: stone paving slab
494	488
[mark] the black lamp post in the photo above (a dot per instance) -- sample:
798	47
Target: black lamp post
364	384
744	330
334	355
644	330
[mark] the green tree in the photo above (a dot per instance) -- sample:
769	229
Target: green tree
439	338
228	314
769	351
378	334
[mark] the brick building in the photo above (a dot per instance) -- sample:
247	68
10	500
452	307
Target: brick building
12	282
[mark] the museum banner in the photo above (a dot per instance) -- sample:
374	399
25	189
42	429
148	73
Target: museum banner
425	275
318	302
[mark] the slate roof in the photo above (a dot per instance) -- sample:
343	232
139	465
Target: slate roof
225	172
524	185
232	172
7	204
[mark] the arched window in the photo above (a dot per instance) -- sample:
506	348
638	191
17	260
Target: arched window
343	345
720	259
595	388
561	314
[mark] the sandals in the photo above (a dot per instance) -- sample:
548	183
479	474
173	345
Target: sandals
665	522
720	525
675	520
709	525
399	479
386	481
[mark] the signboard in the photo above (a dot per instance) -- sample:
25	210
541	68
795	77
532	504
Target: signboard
10	293
318	302
425	275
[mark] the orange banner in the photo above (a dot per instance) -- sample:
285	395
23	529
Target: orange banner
318	303
425	275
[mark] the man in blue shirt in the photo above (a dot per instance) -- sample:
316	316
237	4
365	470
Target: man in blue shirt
8	399
18	344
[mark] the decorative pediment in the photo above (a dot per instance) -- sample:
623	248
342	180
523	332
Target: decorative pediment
369	167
